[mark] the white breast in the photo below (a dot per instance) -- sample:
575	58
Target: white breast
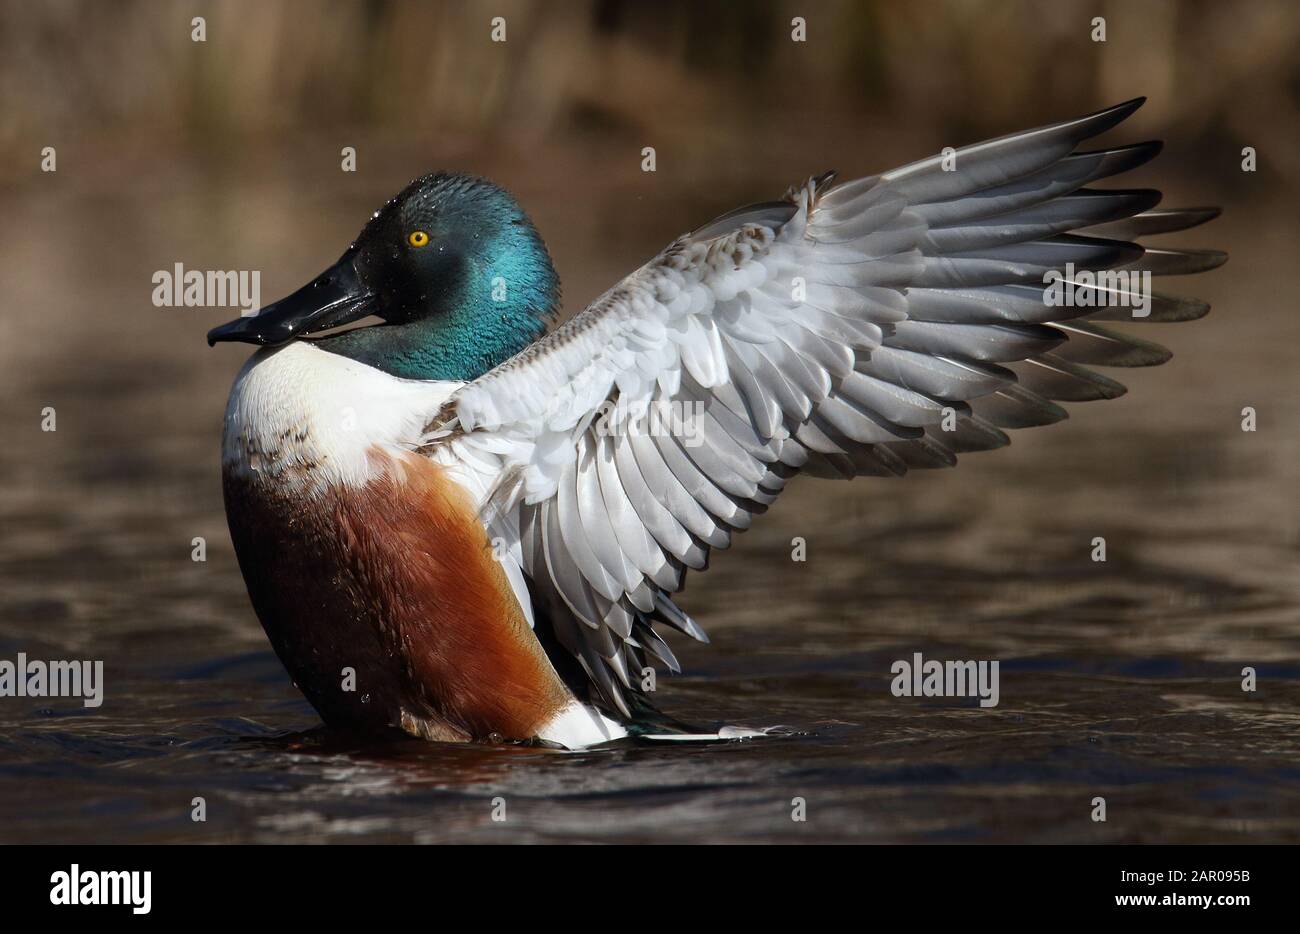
300	416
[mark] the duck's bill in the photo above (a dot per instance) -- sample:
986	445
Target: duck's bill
335	297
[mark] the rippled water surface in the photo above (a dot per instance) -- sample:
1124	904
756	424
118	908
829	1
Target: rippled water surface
1120	680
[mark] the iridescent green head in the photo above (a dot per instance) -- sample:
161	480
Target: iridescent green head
452	266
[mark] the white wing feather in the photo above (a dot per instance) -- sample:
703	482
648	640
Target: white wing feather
833	333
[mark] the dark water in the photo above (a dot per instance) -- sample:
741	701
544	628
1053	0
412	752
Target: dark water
1120	680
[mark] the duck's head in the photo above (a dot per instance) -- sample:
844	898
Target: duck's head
452	267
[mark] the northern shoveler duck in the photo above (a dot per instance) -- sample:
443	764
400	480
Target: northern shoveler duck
481	523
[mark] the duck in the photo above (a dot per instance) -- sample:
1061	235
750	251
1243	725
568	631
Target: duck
459	519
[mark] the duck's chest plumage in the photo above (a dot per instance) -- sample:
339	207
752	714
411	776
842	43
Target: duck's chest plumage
366	563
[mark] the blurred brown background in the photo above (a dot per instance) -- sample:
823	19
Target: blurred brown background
225	155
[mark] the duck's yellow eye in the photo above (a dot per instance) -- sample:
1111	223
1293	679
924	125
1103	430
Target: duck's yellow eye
417	238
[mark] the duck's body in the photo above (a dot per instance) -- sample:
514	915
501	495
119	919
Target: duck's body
454	526
370	565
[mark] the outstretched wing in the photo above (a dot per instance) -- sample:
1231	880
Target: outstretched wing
860	328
